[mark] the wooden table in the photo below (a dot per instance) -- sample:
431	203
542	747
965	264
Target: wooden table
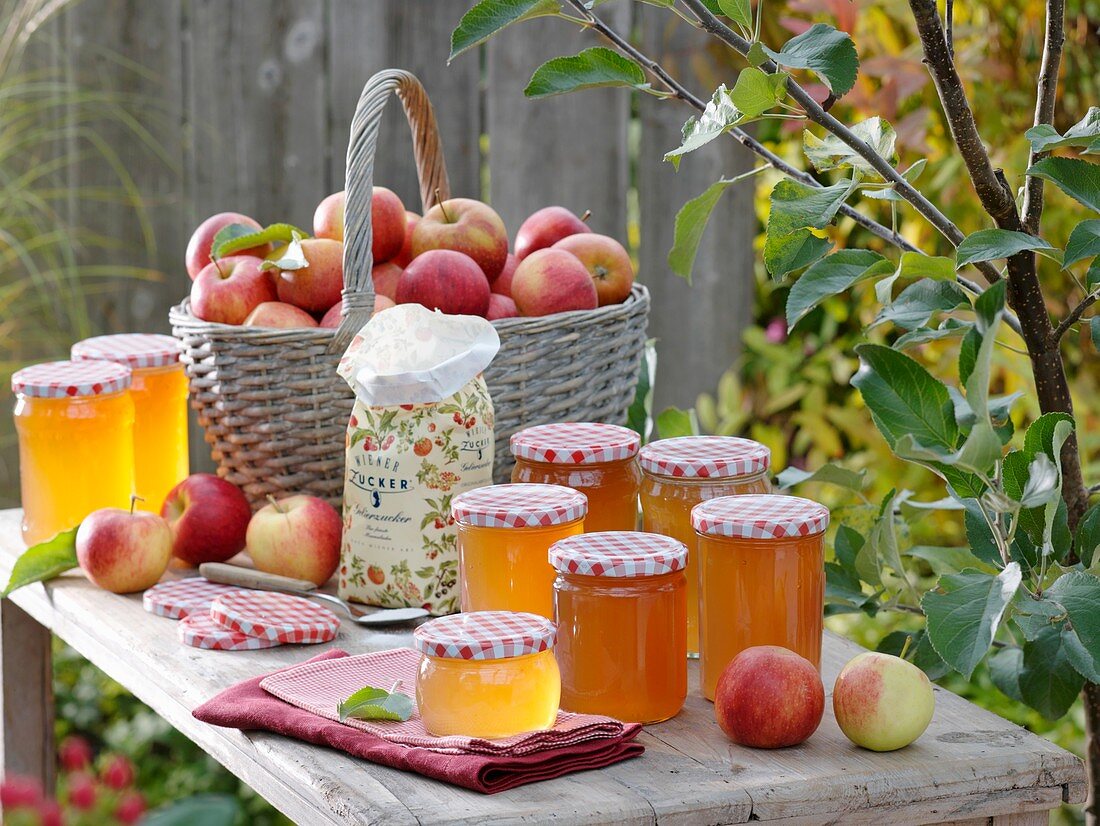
970	766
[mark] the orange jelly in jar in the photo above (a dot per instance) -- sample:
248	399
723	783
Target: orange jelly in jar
680	473
599	460
762	578
75	422
620	603
159	391
504	535
488	674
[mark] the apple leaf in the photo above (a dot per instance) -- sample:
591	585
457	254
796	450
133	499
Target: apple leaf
1086	541
237	237
989	244
795	207
830	276
589	69
739	11
1084	242
43	561
720	116
294	258
755	91
1079	179
829	53
920	301
488	17
1084	133
692	220
831	152
672	422
830	473
370	703
1048	681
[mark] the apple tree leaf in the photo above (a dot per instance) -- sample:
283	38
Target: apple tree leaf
370	703
488	17
827	52
590	69
1077	178
831	152
43	561
990	244
830	276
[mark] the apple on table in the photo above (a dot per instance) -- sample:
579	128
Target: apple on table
123	551
208	518
298	537
227	290
466	226
882	702
202	240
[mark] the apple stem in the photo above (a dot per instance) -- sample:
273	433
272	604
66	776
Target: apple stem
905	646
217	263
586	216
439	202
134	499
275	503
394	687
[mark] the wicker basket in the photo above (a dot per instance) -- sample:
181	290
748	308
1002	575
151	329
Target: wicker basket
271	405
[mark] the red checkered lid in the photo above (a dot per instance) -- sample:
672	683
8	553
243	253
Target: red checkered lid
273	616
618	553
132	349
519	506
575	443
704	457
200	631
66	379
485	635
179	598
760	516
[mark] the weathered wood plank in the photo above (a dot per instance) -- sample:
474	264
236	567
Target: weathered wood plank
26	697
698	326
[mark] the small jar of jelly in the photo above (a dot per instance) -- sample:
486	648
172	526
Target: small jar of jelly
487	674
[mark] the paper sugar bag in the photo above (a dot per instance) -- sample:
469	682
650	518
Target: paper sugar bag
421	431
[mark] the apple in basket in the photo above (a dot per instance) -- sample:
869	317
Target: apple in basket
123	551
387	221
501	306
503	283
552	281
606	261
278	314
467	226
403	258
208	517
198	248
316	286
385	277
445	280
297	537
545	228
331	318
227	290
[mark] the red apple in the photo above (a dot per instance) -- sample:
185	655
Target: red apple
198	248
278	314
208	517
445	280
226	291
501	306
123	551
769	697
385	277
403	258
467	226
388	221
382	303
545	228
328	218
331	319
552	281
606	261
297	537
503	283
882	702
317	286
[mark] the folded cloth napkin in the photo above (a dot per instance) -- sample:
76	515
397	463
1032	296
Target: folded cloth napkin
247	706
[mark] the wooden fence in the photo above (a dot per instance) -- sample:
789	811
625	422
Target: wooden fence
250	102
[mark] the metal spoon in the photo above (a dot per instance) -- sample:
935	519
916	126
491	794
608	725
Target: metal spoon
251	578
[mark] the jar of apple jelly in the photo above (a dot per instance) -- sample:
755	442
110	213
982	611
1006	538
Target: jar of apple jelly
504	534
620	603
761	577
678	474
488	674
599	460
159	390
75	423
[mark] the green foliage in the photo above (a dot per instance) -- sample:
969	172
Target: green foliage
43	561
829	276
592	68
488	17
988	244
829	53
831	153
236	237
370	703
1077	178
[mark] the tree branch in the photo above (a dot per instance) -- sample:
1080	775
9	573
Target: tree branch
1074	316
949	25
1045	98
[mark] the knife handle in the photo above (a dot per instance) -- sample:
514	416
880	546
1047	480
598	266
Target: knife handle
251	578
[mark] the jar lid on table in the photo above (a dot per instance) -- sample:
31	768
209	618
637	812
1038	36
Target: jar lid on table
71	379
135	350
575	443
485	635
760	516
618	554
704	457
519	506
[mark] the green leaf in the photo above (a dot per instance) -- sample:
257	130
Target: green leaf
843	587
370	703
756	92
831	276
1092	277
830	473
920	301
1004	670
846	547
720	116
883	536
675	422
691	221
1084	242
790	252
43	561
789	245
237	237
639	417
951	559
294	257
488	17
1094	331
904	398
1086	540
950	328
963	614
1045	137
889	193
1041	434
589	69
207	809
1078	179
1079	594
831	152
829	53
756	56
1048	681
739	11
990	244
921	653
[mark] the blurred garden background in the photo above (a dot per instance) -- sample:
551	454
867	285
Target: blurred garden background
123	124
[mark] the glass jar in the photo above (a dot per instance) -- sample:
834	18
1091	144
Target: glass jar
599	460
75	423
504	535
678	474
488	674
159	391
620	604
762	578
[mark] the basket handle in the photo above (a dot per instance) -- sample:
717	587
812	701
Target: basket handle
358	293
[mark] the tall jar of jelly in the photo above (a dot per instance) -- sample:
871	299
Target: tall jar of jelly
75	423
761	578
504	536
599	460
159	390
487	674
620	604
680	473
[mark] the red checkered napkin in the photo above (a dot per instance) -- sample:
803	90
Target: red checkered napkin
276	617
320	686
182	597
519	506
575	443
200	631
760	516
